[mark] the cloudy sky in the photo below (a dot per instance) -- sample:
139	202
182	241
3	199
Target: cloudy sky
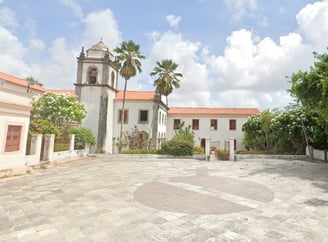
232	53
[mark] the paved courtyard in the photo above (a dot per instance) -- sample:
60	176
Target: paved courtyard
135	198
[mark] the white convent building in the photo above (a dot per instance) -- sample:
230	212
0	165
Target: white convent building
97	87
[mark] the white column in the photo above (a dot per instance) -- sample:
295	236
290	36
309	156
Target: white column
38	144
207	148
71	142
231	149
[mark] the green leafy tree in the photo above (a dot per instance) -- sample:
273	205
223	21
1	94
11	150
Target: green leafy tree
60	110
168	78
43	126
281	132
128	62
310	88
291	129
258	134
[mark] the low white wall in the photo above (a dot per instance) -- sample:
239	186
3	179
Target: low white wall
22	165
35	150
316	154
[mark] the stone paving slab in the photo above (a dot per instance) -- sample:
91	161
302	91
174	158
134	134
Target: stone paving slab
95	200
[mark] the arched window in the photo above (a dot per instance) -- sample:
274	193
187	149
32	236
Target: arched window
92	75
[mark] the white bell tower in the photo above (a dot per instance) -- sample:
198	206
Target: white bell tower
96	88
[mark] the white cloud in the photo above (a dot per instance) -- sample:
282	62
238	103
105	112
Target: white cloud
12	54
154	35
258	67
36	45
185	53
7	18
59	71
73	5
239	8
101	25
173	21
313	22
53	65
250	73
30	26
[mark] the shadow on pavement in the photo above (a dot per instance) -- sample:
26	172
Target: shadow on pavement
316	172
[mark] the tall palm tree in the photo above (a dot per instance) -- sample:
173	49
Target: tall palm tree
32	81
129	64
167	79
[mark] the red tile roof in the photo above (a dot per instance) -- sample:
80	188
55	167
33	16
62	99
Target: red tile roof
136	95
214	111
67	92
20	82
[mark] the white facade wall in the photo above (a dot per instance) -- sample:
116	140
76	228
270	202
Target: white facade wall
21	88
110	122
218	136
90	97
133	107
14	113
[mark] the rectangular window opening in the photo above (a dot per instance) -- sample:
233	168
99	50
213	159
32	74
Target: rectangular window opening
13	138
126	116
232	124
176	123
214	124
143	116
195	124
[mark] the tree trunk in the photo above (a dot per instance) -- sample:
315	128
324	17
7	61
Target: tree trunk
122	117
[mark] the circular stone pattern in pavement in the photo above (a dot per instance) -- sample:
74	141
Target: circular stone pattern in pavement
203	194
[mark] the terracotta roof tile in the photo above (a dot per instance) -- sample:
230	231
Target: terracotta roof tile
213	111
20	82
67	92
136	95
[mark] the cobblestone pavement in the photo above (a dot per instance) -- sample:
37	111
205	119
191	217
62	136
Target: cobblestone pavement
144	198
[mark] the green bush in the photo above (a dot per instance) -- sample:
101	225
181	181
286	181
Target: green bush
61	147
140	151
184	134
42	126
82	136
222	154
199	150
177	148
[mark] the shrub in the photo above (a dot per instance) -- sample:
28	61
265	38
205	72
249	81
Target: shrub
82	136
42	126
61	147
177	148
140	151
184	134
222	154
199	150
